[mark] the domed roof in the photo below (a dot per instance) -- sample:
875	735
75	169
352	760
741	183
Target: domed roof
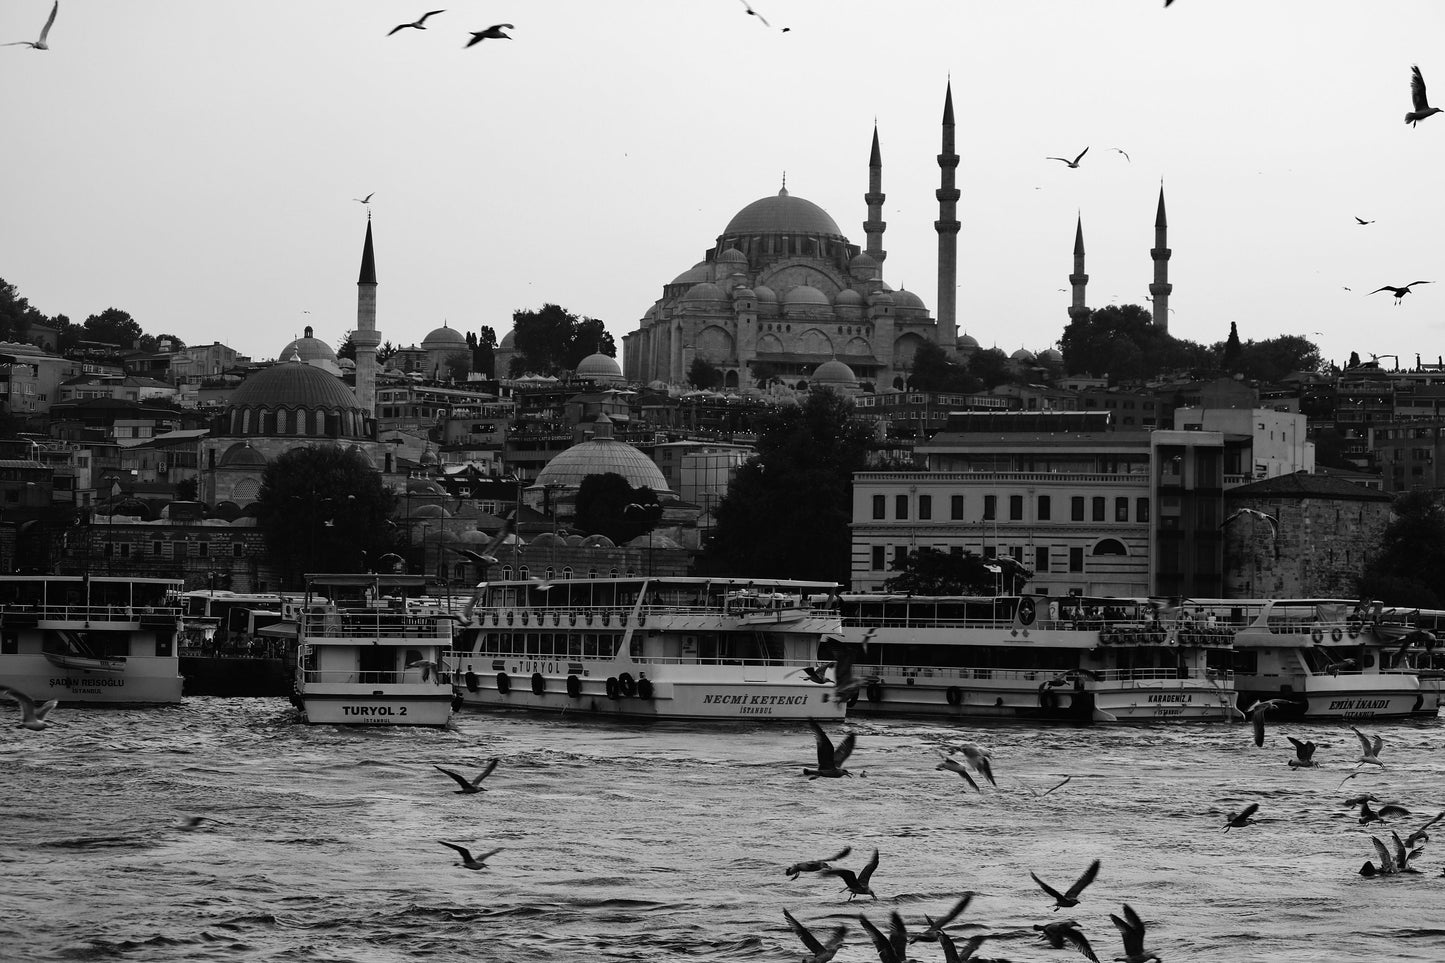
703	291
864	266
698	272
652	540
907	299
424	486
430	511
444	337
834	372
243	456
346	364
509	339
601	456
764	293
307	348
1051	354
549	538
732	256
598	541
848	297
1022	354
574	541
292	384
598	367
742	291
783	214
880	297
966	341
804	294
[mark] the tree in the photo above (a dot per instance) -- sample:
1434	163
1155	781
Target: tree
928	571
112	326
991	368
1122	341
789	508
601	508
385	353
934	371
1410	563
1232	350
347	347
186	490
1271	360
456	366
554	340
1354	361
702	373
16	314
324	509
484	352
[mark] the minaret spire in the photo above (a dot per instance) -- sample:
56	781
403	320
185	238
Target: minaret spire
875	225
1078	311
1161	287
365	338
947	227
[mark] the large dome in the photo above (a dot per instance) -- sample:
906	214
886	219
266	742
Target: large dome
601	456
307	348
783	214
834	374
599	367
444	337
293	384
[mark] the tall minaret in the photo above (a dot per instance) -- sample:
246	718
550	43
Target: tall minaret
947	228
1161	287
875	225
366	337
1078	311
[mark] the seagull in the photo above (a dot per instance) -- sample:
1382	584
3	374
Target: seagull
936	926
1387	811
488	555
1121	151
1245	817
494	32
830	760
754	13
469	861
1304	754
363	200
1398	292
892	948
1362	221
41	44
1419	835
818	674
1058	785
1370	749
1417	94
979	760
429	669
952	765
1072	163
856	885
952	954
1131	928
469	786
418	24
816	865
1066	932
822	950
32	717
1071	898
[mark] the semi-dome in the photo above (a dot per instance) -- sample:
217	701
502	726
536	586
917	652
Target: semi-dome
653	541
549	539
863	261
307	348
848	298
444	337
764	293
704	291
904	298
698	272
242	456
782	214
732	256
835	373
430	511
424	486
742	291
804	294
601	456
599	367
598	541
292	384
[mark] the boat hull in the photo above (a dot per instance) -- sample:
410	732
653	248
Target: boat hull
143	681
1385	696
363	708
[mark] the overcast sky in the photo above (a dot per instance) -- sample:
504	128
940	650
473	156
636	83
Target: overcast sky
195	163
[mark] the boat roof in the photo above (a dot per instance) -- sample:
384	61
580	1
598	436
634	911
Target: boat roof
370	578
718	581
111	579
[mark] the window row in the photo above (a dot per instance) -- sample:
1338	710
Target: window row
1041	558
1081	508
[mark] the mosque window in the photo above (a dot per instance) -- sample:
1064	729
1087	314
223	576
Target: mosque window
281	422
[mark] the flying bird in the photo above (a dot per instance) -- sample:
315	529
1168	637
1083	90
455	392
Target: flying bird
1245	817
1071	163
362	200
979	759
953	765
1398	292
43	44
936	927
1417	94
1131	928
754	13
830	760
417	24
1304	754
1419	835
488	555
468	860
494	32
1369	749
429	669
952	954
1362	221
469	786
822	950
892	948
817	674
32	716
1387	811
1070	898
856	885
1041	793
1067	933
816	865
1121	151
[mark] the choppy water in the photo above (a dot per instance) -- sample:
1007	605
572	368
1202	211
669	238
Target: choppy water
625	842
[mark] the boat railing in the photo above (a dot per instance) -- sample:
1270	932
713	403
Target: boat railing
572	616
93	613
1037	676
368	623
356	677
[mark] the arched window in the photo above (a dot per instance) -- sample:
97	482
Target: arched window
506	573
567	572
1110	546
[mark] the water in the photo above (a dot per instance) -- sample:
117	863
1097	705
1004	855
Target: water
656	842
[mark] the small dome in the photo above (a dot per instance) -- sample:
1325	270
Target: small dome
549	539
428	457
574	541
698	272
863	265
597	541
1022	354
907	299
509	339
293	384
652	541
804	294
848	298
743	291
880	297
1051	354
732	256
601	456
967	341
764	293
834	372
243	456
430	511
782	214
423	486
474	536
307	348
444	337
346	364
703	291
599	367
650	313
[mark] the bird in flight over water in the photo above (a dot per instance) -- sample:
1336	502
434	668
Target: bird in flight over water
1417	95
822	950
1070	898
32	717
1398	292
1066	932
816	865
830	760
42	43
494	32
1245	817
1071	163
469	786
1131	928
856	885
1304	754
468	860
419	24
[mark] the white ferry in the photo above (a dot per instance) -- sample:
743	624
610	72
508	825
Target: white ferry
91	640
657	648
1071	659
1326	658
365	659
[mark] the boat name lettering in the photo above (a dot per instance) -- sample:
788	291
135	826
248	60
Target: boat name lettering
72	683
1358	704
1171	697
1161	711
373	710
755	700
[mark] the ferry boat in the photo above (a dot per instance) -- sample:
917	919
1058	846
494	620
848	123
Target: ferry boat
366	659
655	648
1073	659
91	640
1326	659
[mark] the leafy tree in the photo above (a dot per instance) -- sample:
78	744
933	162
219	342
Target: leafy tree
1232	350
1122	341
456	366
1354	361
934	371
1271	360
385	353
789	508
484	351
186	490
991	367
602	502
112	326
928	571
1410	564
554	340
702	373
324	509
16	314
347	348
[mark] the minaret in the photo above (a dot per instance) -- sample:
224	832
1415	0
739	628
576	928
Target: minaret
947	228
365	338
1078	311
875	225
1161	287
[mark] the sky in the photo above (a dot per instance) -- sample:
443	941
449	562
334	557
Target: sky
197	164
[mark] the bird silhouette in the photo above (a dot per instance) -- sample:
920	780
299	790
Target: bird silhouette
1119	150
419	24
856	885
953	765
469	786
1070	898
936	927
1040	793
468	860
1304	754
830	760
822	950
1398	292
816	865
364	200
1362	221
1387	811
892	948
488	555
754	13
979	759
1071	163
42	43
494	32
1369	749
1131	928
1245	817
1067	933
32	716
1417	95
